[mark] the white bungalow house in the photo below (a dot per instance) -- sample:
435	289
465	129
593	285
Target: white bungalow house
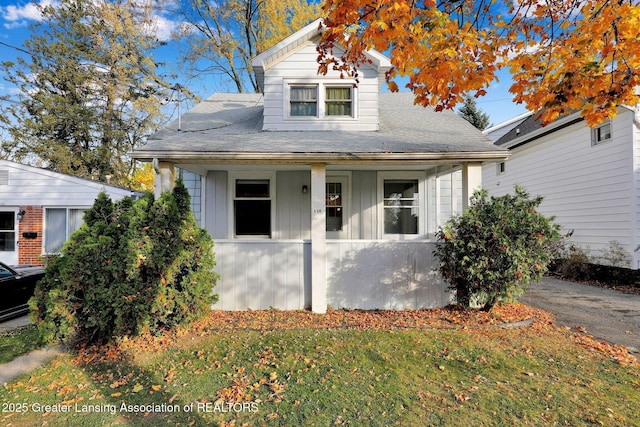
589	177
320	192
39	209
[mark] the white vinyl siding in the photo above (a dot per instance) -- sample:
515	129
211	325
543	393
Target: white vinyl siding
293	207
634	130
301	69
361	274
588	188
263	274
30	186
445	197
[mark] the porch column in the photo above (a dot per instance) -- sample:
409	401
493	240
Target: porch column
318	239
471	181
165	177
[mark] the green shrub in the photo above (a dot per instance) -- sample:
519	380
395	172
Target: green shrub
131	267
496	247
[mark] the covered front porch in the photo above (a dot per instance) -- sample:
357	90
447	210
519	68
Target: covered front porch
331	245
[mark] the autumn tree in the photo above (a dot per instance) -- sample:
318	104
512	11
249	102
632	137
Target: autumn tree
222	37
471	113
563	55
89	92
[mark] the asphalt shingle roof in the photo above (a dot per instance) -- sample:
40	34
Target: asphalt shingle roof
232	123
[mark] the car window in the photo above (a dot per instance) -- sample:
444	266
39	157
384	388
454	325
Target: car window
5	272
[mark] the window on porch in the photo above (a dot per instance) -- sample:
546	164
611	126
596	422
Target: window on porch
252	207
401	206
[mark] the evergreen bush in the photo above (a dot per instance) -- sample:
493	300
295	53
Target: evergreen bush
495	248
131	267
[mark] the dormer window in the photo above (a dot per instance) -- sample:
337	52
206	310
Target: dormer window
338	101
304	101
320	101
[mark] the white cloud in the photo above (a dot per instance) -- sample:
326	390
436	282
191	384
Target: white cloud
161	27
17	16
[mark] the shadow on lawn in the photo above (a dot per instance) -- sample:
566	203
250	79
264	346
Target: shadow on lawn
135	395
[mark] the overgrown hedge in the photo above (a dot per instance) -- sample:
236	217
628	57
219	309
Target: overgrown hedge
132	267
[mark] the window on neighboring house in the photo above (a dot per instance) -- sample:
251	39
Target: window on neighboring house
601	133
252	207
60	223
304	101
501	168
401	206
8	231
338	101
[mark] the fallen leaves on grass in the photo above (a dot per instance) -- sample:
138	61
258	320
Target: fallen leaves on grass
269	320
618	353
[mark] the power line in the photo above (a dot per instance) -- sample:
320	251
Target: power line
17	48
7	99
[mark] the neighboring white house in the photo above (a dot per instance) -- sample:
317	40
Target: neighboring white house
589	177
39	209
496	132
321	192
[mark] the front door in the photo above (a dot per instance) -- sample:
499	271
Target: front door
8	236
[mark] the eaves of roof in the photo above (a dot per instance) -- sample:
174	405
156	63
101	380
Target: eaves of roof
541	131
329	158
534	130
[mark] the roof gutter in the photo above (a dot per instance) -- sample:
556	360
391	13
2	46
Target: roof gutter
308	158
543	131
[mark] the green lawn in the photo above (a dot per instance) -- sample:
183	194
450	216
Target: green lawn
19	341
260	372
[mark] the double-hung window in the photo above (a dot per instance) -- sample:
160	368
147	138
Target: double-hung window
338	101
321	100
601	133
60	223
252	207
303	101
402	204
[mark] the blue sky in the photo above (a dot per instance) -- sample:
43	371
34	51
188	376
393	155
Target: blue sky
16	15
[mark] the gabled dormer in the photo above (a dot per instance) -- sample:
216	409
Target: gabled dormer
297	97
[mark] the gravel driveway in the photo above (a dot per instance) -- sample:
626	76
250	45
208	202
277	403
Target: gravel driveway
606	314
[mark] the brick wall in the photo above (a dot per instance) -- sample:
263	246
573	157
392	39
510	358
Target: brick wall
30	250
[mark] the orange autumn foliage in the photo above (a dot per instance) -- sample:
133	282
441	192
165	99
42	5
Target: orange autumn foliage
563	55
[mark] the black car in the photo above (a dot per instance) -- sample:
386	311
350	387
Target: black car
17	285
